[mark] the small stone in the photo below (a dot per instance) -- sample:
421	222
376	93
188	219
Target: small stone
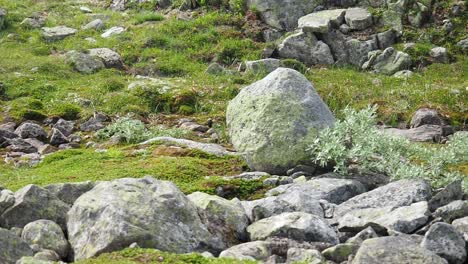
341	252
85	10
57	138
47	255
440	55
113	31
300	255
272	181
57	33
110	58
215	69
96	24
46	234
404	74
262	66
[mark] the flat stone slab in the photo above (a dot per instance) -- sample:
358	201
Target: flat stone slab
57	33
322	21
358	18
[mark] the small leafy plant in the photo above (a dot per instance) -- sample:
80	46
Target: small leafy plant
356	144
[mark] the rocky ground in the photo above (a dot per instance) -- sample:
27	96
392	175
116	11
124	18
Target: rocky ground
233	131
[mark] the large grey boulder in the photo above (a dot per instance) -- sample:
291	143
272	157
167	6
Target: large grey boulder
46	235
31	130
57	33
224	218
333	190
69	192
358	18
12	248
152	213
84	63
283	14
273	121
394	250
444	240
395	194
109	57
322	21
388	62
297	226
34	203
305	47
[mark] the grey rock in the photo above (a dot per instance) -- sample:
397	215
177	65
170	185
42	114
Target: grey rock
57	137
33	22
112	32
57	33
301	255
31	130
20	145
262	66
341	252
396	194
426	116
47	235
152	213
256	250
34	203
424	133
93	124
47	255
110	58
358	50
216	69
453	210
463	44
389	61
12	248
444	240
272	122
8	127
209	148
394	250
330	189
358	18
249	176
272	181
440	55
66	127
461	225
386	39
283	15
84	63
451	192
96	24
7	199
322	21
305	47
362	236
297	226
336	40
404	74
32	260
224	218
86	9
69	192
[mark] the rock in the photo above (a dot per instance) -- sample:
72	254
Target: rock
305	48
47	255
69	192
426	116
394	250
451	192
424	133
273	121
453	210
440	55
444	240
110	58
152	213
280	15
386	39
57	137
358	50
396	194
256	250
249	176
300	255
66	127
47	235
84	63
5	135
3	14
404	74
341	252
461	225
209	148
93	124
404	219
20	145
297	225
322	21
216	69
223	217
336	40
46	149
7	127
36	21
96	24
358	18
33	203
12	248
330	189
7	199
463	44
362	236
262	66
85	10
192	126
57	33
31	130
389	61
112	32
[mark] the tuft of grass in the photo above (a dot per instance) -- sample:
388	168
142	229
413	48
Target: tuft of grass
143	17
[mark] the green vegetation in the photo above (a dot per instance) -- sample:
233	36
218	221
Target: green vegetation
149	256
355	143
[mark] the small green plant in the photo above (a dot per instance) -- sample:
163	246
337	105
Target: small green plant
357	144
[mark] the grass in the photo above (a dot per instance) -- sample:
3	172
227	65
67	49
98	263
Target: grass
147	256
